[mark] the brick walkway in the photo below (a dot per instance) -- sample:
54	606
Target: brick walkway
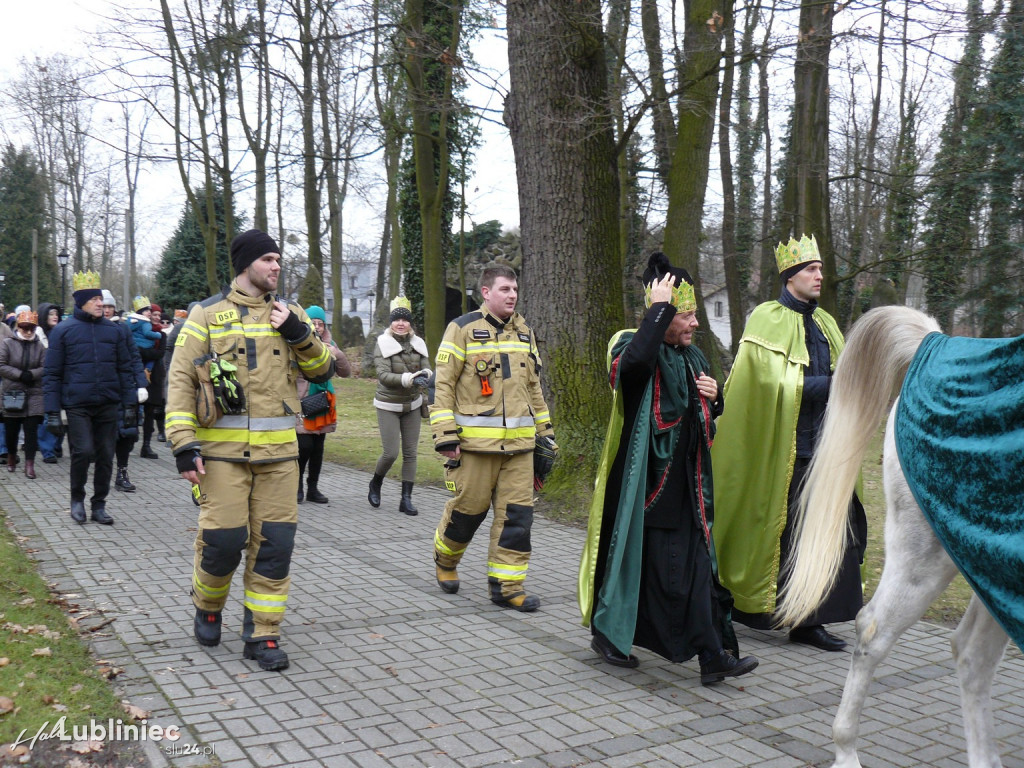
386	670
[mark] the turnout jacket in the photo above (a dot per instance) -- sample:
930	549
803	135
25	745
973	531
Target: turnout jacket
479	347
237	328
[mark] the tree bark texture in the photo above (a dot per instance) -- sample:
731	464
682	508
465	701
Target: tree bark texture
561	127
688	176
806	198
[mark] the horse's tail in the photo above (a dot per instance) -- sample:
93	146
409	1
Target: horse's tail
868	376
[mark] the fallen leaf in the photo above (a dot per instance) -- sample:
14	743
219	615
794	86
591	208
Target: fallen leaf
85	747
10	750
138	713
6	705
42	652
4	661
48	699
60	707
26	601
76	688
77	762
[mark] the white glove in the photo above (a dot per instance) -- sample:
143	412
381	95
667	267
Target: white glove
143	395
407	378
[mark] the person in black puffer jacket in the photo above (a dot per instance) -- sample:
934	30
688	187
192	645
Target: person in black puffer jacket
88	373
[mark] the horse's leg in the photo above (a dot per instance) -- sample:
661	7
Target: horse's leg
917	569
978	645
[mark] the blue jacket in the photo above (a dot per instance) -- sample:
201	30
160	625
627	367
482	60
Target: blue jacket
88	363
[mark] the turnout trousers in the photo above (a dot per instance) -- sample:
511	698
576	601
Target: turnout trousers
251	509
482	480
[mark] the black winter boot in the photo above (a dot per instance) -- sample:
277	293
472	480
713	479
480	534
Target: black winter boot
374	496
405	505
147	452
122	483
313	494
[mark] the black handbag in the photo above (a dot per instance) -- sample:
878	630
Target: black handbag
14	400
314	405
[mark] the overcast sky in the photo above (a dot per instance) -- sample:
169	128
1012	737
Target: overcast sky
47	27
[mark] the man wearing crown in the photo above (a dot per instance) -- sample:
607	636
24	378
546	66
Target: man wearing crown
775	400
88	372
647	575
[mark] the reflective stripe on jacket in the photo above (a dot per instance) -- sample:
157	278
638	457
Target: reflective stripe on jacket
237	329
477	347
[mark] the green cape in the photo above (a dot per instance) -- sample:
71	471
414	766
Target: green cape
755	449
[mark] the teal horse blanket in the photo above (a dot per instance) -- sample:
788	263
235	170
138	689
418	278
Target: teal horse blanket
960	439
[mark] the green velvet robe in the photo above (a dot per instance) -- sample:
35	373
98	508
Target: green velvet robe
755	449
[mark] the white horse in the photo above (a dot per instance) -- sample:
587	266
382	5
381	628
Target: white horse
868	375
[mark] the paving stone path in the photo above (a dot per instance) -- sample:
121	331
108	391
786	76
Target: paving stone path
386	670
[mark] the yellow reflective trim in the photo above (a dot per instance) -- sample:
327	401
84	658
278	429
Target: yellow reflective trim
213	593
444	415
542	416
181	417
447	346
513	346
273	438
316	362
262	607
443	548
200	335
476	348
506	572
499	433
265	597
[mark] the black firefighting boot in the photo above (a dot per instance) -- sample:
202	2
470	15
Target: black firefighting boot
207	627
122	483
405	505
374	496
518	600
267	653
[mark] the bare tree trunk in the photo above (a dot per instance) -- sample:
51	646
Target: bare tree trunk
734	288
688	176
806	198
561	127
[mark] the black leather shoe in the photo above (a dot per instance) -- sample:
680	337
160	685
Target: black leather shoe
818	637
267	654
99	515
299	497
148	453
725	665
78	511
603	648
49	459
206	626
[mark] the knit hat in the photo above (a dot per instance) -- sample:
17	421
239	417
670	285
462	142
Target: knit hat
793	256
27	317
401	309
316	313
21	308
249	246
87	286
108	299
140	303
683	297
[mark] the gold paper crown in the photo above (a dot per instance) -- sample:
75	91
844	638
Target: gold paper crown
140	303
792	253
683	297
400	302
84	280
30	318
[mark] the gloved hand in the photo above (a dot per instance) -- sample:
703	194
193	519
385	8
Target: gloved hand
186	460
53	425
420	380
26	377
130	418
407	378
143	394
293	329
544	454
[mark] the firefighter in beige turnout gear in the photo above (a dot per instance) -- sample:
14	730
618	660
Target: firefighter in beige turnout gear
488	411
244	454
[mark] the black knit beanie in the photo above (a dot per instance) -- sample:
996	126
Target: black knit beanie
249	246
